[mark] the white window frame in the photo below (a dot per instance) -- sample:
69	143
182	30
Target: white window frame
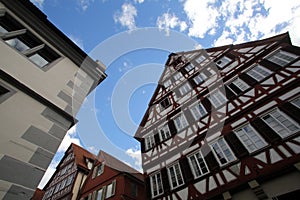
198	110
198	162
164	132
217	98
185	88
177	175
180	122
239	83
259	72
296	102
223	149
287	132
167	83
222	62
177	76
149	142
282	58
200	59
189	67
110	189
158	183
250	138
200	78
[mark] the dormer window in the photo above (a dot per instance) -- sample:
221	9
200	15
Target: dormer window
222	62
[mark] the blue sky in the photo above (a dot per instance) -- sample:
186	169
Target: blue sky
133	39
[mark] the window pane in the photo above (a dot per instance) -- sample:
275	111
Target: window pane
222	151
282	58
180	122
258	72
38	60
175	175
99	194
223	61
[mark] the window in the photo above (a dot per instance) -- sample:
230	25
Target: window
222	151
259	73
180	122
100	194
16	36
280	123
165	103
199	78
185	88
110	189
63	183
70	179
133	189
57	188
189	67
296	102
217	98
200	59
164	132
149	142
100	169
167	83
198	111
177	76
156	185
250	138
222	62
282	58
197	164
175	176
237	86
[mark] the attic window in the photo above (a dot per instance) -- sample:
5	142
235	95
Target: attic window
222	62
165	103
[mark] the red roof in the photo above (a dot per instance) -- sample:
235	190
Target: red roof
38	194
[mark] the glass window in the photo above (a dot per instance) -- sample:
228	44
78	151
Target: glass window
185	88
222	151
167	83
175	176
259	72
70	179
250	138
164	132
217	98
197	164
199	78
237	86
189	67
282	58
177	76
180	122
149	142
100	169
165	103
200	59
222	62
156	184
100	194
296	102
198	111
110	189
280	123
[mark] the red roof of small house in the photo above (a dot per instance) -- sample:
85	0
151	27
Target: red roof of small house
38	194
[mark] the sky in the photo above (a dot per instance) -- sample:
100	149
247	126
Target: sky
133	38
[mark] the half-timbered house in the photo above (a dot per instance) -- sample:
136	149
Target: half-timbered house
223	123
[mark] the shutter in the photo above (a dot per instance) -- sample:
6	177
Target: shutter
183	71
186	170
143	145
192	83
172	127
156	138
267	132
248	79
148	187
291	111
269	65
165	180
206	103
235	144
211	162
229	93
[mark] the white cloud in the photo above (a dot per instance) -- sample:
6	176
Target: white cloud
77	41
93	150
127	17
167	21
136	156
69	138
138	1
38	3
48	174
84	4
